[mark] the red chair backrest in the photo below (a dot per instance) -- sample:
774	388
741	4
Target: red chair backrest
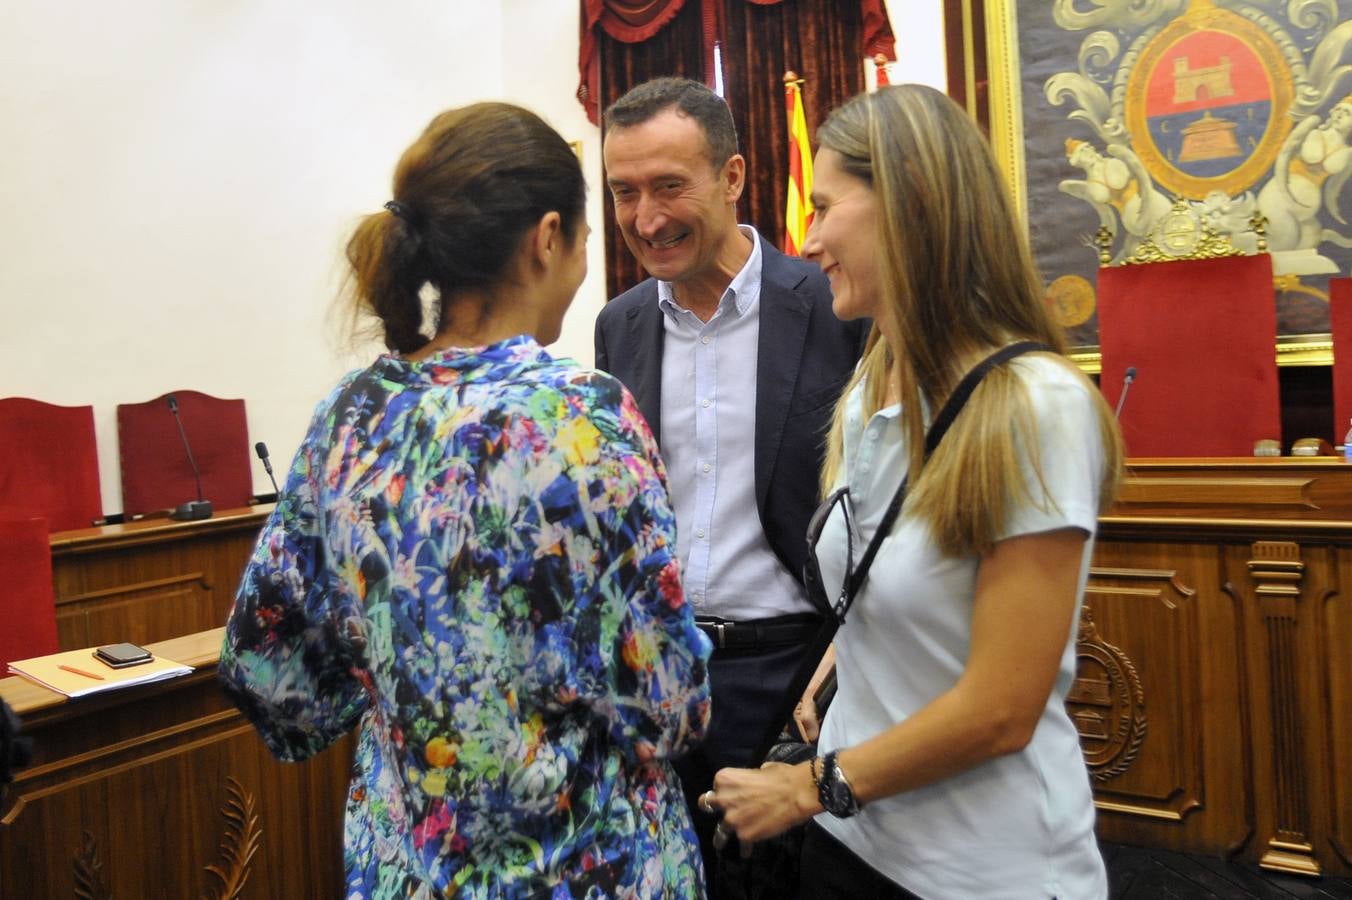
27	604
1340	323
1202	335
49	463
155	470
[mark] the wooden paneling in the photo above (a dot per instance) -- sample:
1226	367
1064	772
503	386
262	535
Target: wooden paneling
1214	696
149	580
140	779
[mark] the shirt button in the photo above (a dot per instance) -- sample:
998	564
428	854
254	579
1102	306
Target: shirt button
699	532
707	467
704	340
705	404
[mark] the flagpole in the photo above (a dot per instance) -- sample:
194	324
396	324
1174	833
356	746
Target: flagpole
798	204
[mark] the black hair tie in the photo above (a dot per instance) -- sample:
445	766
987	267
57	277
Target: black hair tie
404	212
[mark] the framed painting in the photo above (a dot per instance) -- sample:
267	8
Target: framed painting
1112	112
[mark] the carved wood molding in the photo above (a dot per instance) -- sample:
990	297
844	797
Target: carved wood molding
1108	700
181	582
102	763
1331	664
89	881
1277	572
138	534
241	840
1150	580
1221	492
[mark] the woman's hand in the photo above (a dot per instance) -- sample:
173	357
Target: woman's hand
805	717
761	803
805	714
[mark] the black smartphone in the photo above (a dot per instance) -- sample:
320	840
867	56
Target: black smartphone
119	656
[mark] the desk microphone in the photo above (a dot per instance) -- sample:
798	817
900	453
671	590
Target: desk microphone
262	450
193	509
1126	386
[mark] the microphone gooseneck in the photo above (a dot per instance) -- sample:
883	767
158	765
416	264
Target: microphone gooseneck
200	508
1127	379
183	435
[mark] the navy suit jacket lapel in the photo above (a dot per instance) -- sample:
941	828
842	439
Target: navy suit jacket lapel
784	316
646	336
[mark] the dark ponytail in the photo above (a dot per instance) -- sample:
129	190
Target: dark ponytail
465	193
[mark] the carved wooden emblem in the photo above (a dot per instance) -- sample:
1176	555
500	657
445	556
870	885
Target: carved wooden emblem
1106	703
239	844
89	881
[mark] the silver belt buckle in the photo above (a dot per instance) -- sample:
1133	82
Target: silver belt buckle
722	635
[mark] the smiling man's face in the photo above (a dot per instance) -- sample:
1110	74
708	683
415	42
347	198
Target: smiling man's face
675	208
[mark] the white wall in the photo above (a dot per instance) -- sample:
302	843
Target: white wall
919	29
177	179
539	63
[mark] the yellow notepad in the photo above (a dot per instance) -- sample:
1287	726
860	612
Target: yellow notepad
78	673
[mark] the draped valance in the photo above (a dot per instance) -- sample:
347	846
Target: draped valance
635	21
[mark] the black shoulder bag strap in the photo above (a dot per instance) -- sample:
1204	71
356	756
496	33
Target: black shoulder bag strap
817	649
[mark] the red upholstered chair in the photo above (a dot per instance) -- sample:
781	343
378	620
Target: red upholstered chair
49	463
155	470
1202	337
27	603
1340	323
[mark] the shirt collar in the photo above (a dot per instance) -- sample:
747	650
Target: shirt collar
742	293
502	360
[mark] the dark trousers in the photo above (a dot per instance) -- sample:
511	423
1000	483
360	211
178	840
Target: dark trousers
746	686
830	870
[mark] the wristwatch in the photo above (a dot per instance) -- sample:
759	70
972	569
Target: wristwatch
834	791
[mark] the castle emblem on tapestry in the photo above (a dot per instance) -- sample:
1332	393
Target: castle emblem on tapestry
1236	107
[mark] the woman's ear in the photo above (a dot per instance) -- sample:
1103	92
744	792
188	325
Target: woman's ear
546	239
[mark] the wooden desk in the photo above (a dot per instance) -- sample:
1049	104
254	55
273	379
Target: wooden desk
150	580
1214	697
133	788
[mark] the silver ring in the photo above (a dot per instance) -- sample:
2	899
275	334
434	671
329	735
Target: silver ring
706	802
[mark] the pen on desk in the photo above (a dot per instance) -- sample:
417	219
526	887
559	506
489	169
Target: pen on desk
66	668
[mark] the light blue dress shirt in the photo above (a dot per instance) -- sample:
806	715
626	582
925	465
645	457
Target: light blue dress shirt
708	443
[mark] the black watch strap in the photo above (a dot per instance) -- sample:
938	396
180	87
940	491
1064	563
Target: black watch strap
834	791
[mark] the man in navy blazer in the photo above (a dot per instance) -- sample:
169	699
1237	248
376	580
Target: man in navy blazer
736	360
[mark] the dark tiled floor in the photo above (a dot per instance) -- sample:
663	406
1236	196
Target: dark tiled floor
1138	874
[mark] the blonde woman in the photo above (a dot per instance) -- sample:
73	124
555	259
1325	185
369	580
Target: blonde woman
948	765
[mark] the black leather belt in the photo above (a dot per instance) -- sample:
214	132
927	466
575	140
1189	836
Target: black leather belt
759	633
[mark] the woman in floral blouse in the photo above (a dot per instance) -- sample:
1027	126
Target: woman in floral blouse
473	560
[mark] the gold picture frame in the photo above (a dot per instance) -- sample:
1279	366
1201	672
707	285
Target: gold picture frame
990	79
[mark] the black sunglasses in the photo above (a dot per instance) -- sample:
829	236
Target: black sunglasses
812	572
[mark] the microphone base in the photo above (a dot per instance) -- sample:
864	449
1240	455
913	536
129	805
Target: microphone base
191	511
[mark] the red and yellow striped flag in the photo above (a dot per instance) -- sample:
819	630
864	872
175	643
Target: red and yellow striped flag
798	206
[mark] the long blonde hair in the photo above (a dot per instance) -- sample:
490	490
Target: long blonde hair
958	281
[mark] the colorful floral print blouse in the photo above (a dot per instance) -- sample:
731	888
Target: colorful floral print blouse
474	557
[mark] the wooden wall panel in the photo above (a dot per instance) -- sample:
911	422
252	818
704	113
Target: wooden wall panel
1335	679
1246	680
1167	608
1146	618
150	580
